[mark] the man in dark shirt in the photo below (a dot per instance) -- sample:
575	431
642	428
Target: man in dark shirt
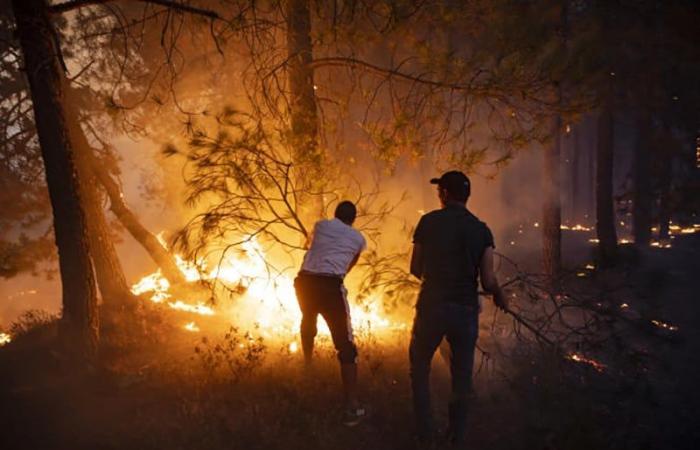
452	249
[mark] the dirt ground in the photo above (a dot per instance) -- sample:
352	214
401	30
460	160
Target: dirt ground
182	400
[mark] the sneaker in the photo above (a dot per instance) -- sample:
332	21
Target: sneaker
353	416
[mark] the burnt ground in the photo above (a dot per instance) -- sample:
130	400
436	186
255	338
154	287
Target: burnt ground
169	397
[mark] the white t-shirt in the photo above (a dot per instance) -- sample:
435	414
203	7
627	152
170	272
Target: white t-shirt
334	244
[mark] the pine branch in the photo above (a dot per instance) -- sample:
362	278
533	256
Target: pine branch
76	4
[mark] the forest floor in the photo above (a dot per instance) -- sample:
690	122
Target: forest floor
263	398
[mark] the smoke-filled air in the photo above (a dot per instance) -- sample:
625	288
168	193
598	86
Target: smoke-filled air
343	224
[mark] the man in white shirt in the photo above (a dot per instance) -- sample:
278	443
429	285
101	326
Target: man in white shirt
334	249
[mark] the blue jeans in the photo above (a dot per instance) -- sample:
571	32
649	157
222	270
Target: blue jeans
459	324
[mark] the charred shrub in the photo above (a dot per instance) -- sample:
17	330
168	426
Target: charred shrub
236	354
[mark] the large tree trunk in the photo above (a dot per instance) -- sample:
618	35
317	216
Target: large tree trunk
148	240
302	99
605	213
642	195
108	269
575	175
551	204
79	322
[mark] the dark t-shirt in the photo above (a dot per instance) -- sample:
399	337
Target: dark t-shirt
453	241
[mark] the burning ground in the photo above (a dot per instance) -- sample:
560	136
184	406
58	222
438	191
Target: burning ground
620	374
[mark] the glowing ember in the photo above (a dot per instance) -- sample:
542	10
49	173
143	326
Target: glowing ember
594	240
577	227
191	326
583	360
590	266
624	241
293	347
581	274
624	306
660	244
664	325
5	339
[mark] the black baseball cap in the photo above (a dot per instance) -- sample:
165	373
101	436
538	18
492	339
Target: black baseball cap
456	183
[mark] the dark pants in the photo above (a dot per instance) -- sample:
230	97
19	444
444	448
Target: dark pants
459	324
326	296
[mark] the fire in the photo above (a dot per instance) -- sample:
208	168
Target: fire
5	339
199	308
293	347
577	227
664	325
266	299
583	360
191	326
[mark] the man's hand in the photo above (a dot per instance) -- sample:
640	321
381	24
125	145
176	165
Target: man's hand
500	299
489	281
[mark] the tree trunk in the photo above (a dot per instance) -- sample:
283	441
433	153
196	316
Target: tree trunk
302	100
303	114
148	240
551	205
108	269
79	323
605	213
642	195
575	176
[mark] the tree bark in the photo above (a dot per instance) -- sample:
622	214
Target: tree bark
605	213
551	205
108	269
575	175
148	240
302	101
642	195
79	323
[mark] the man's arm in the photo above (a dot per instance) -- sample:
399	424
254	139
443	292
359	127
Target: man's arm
489	281
417	261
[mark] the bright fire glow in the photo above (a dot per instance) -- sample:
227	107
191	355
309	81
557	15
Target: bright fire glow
583	360
262	298
577	227
191	326
664	325
5	339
